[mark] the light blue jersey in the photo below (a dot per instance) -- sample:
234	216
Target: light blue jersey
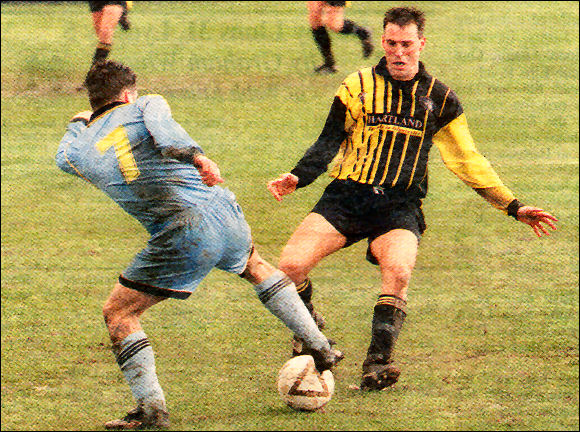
134	153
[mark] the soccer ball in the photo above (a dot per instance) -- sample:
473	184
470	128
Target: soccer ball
302	387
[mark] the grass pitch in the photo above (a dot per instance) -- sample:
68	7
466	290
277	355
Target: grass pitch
491	339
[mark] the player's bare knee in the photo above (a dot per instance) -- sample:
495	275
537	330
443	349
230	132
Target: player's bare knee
295	269
398	275
334	26
257	268
111	313
115	313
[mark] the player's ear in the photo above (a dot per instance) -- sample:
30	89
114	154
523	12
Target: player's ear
423	40
129	96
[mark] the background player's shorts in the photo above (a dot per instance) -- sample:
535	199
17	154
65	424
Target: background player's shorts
358	211
336	3
96	6
189	246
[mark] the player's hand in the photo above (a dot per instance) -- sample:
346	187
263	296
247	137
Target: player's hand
535	217
208	170
283	185
85	115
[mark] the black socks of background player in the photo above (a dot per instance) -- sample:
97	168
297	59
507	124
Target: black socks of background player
322	39
388	317
350	27
102	52
363	33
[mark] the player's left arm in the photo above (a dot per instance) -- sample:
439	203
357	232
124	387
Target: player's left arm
174	142
460	155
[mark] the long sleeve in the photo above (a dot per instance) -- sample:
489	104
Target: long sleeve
462	158
169	136
316	159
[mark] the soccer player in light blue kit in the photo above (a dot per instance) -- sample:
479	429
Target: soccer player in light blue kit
131	148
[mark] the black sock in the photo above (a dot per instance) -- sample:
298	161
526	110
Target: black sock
323	41
388	317
351	27
101	52
305	292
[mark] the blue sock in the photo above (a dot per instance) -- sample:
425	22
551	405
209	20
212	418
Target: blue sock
137	362
278	294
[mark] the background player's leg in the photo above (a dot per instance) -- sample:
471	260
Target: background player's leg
321	37
104	22
335	21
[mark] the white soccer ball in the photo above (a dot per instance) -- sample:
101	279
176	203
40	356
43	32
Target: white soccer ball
302	387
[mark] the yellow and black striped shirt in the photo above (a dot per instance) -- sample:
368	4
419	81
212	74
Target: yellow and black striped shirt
380	130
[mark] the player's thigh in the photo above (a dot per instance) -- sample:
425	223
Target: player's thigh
229	233
396	253
315	13
314	239
97	17
334	17
110	15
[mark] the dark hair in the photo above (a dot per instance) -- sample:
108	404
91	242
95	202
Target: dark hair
403	16
106	81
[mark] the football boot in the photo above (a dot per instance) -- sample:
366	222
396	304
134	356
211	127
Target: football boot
326	359
378	374
137	419
326	69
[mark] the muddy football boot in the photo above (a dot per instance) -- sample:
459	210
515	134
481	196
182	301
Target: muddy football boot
326	359
137	419
378	375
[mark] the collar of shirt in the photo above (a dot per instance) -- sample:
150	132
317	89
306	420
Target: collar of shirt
104	109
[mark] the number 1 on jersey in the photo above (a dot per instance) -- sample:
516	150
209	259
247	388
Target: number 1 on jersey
120	141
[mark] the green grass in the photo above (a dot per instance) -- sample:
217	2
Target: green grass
491	338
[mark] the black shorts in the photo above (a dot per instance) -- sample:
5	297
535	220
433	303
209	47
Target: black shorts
96	6
359	211
336	3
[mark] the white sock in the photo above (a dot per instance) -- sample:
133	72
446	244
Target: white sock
278	294
137	362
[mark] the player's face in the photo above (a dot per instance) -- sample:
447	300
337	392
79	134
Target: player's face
402	46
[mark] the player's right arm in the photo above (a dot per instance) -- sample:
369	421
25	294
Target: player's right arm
283	185
316	159
75	127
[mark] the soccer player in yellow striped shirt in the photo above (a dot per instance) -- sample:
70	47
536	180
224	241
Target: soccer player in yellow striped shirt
381	126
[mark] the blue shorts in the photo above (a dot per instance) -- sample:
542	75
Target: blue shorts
189	246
